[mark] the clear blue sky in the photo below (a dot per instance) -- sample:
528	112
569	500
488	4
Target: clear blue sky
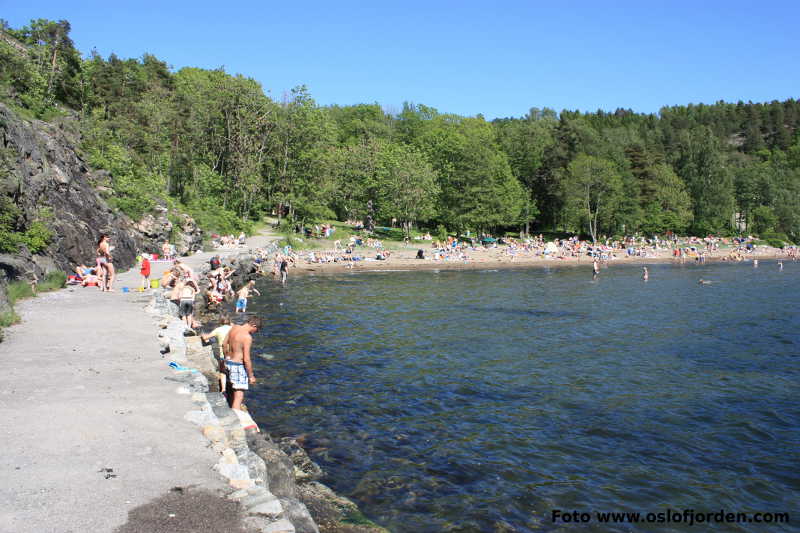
465	57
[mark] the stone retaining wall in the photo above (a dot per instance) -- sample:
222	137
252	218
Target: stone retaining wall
274	490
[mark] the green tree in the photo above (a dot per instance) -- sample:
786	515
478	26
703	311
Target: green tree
764	219
592	190
701	165
668	206
408	188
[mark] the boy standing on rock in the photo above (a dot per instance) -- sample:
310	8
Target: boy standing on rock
237	359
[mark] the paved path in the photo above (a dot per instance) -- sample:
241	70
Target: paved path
90	427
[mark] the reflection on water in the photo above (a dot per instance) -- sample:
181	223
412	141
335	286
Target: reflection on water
472	401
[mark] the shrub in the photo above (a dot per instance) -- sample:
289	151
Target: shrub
212	217
776	243
777	236
37	237
18	290
54	280
8	318
22	289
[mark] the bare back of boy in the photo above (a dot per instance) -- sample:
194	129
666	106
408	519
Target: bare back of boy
237	359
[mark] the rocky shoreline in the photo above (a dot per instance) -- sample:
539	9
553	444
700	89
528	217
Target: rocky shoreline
275	482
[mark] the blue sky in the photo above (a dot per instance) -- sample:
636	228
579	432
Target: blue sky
465	57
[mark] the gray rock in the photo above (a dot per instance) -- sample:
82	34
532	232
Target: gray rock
270	508
256	497
201	417
46	172
232	471
267	525
50	182
297	513
255	465
305	468
279	466
281	526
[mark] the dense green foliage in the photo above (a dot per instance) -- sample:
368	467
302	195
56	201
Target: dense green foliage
217	146
15	232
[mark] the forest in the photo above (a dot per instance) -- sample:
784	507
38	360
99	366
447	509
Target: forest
215	145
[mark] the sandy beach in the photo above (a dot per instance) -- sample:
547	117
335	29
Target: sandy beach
495	258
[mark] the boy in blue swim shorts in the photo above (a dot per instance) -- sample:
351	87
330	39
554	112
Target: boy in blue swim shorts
244	292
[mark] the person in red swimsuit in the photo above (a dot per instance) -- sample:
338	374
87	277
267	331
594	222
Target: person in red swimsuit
145	272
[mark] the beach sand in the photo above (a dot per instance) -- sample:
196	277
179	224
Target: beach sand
496	258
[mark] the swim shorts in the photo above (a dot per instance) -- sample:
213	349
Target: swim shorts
186	308
241	303
237	374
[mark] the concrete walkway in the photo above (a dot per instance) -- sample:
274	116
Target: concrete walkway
90	427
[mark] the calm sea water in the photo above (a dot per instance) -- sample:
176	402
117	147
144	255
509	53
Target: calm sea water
484	400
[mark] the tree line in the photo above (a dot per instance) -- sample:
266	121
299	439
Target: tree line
215	145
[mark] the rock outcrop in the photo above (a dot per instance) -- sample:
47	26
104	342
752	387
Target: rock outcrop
157	227
46	178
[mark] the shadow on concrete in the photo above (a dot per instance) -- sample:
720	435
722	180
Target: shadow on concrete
185	510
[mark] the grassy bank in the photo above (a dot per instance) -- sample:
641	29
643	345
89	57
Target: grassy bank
18	290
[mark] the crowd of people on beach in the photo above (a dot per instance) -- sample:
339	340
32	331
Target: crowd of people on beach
228	241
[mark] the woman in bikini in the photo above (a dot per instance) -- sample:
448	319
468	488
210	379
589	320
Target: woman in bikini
106	262
101	263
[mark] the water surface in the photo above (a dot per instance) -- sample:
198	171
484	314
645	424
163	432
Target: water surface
482	400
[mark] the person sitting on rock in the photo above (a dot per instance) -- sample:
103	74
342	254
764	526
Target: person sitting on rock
213	298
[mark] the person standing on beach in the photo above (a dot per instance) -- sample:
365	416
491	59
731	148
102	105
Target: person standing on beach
186	306
237	360
145	272
105	264
243	294
220	333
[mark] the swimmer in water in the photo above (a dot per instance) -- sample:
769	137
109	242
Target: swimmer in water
704	282
595	268
780	265
645	274
755	263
